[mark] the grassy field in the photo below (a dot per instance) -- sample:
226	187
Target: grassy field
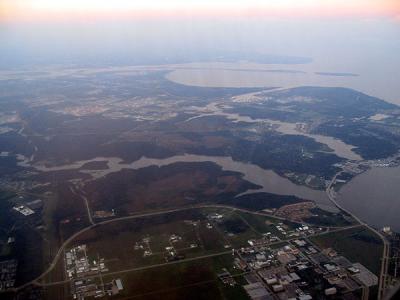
357	244
189	280
193	234
143	241
266	224
185	280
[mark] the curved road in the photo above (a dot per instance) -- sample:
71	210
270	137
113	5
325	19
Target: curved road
75	235
385	253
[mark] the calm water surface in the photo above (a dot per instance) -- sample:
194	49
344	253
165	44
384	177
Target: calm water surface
373	79
374	196
269	181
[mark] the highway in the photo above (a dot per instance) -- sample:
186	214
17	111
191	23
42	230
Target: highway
144	267
86	200
386	248
142	215
186	260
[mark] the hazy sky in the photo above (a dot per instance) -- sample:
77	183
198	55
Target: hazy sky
55	9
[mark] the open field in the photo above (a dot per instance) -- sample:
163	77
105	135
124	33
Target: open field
185	280
189	280
136	251
147	241
357	244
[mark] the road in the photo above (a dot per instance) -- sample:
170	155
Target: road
142	215
74	190
193	258
386	248
143	268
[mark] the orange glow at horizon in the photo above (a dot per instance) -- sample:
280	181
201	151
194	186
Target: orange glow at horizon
46	10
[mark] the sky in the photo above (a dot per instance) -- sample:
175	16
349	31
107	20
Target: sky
44	10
